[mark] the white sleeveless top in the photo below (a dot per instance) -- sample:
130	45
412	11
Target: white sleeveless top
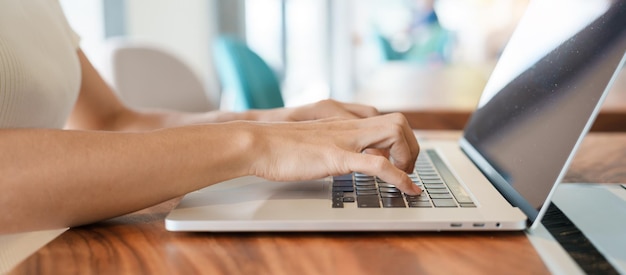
39	68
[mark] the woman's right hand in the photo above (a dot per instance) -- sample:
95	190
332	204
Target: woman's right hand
316	149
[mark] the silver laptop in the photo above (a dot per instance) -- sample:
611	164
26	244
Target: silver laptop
537	106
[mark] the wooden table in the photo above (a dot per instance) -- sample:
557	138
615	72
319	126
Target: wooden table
443	97
138	243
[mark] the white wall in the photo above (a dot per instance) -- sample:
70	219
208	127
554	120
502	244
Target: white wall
87	19
185	27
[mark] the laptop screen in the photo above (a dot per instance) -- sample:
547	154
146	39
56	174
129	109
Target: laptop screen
543	95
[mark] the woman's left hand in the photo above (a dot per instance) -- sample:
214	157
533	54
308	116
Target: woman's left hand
322	109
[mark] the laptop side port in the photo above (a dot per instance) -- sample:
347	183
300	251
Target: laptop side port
479	225
456	224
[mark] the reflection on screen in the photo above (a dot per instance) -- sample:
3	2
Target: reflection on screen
545	87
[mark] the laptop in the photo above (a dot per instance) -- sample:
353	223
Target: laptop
537	106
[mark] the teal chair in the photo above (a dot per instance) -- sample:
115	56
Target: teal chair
432	45
387	50
435	45
251	83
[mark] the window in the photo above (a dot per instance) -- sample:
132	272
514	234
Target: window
292	36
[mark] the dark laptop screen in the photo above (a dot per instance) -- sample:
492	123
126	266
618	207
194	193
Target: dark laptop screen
541	95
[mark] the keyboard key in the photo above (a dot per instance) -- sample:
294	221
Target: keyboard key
366	187
368	182
430	177
393	202
363	177
386	185
347	177
390	195
438	191
467	205
434	186
371	201
432	181
440	196
420	172
389	190
426	172
343	189
422	197
420	204
349	199
455	187
444	203
366	192
412	197
342	183
337	204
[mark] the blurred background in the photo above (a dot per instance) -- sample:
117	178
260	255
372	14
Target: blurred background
317	49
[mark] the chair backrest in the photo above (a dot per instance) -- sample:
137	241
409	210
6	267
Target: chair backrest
147	76
433	44
245	77
386	48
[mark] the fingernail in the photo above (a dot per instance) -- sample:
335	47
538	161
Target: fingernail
417	189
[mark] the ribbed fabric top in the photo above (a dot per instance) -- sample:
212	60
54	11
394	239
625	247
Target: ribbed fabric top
39	67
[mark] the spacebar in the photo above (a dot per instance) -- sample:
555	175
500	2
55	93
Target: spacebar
447	176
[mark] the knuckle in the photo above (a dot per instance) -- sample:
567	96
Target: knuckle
372	110
398	118
396	129
379	163
402	163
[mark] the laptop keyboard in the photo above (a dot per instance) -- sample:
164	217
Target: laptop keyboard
440	188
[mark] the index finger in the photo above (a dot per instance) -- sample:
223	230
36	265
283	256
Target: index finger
381	167
392	132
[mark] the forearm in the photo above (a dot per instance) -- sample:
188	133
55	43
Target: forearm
133	120
97	108
157	119
59	178
144	120
124	119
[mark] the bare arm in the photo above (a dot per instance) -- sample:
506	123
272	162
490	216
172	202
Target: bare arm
60	178
98	108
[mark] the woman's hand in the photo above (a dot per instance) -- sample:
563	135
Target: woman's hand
322	109
316	149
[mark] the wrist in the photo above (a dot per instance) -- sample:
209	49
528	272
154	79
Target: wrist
278	114
243	144
254	141
249	143
208	153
